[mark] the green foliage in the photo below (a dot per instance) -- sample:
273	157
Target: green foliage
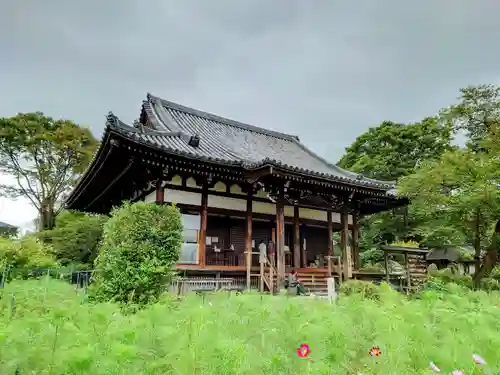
476	113
140	246
411	244
364	289
392	150
45	157
21	256
460	188
371	256
57	332
388	152
439	278
75	238
443	279
465	255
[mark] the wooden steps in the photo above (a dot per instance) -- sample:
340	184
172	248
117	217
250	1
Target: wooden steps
316	283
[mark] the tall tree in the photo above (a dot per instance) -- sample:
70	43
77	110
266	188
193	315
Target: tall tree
392	150
476	112
388	152
462	188
45	157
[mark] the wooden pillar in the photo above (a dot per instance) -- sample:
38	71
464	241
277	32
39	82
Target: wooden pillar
202	239
248	237
280	238
303	246
160	192
296	237
344	243
272	250
355	239
330	240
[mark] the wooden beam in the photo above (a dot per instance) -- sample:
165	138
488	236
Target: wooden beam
254	175
280	237
330	237
296	237
355	239
203	226
344	244
248	237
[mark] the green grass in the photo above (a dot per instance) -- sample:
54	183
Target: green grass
246	334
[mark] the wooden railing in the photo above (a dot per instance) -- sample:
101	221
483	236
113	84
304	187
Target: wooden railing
332	267
225	258
267	271
268	278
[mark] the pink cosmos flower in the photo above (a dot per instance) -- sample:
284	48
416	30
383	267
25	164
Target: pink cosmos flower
457	372
303	351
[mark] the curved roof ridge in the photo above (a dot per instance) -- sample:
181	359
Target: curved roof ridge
210	116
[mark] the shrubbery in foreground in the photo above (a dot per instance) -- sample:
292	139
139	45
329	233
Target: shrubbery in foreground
58	333
140	246
19	257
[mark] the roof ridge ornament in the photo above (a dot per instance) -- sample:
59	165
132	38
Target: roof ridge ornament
112	119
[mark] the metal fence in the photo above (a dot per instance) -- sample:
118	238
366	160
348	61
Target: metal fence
83	278
183	285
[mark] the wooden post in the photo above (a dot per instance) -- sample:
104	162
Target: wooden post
355	239
261	265
386	266
202	240
160	192
280	238
330	240
296	237
407	265
248	237
303	246
344	239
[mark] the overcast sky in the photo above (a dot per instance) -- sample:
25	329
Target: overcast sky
325	70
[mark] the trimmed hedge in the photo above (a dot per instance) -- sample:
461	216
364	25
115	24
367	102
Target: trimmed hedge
140	246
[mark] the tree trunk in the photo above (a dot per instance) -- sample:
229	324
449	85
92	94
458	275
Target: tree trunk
491	258
46	217
477	241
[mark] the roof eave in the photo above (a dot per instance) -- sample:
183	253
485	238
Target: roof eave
91	170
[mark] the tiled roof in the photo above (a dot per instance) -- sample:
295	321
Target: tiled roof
6	225
169	126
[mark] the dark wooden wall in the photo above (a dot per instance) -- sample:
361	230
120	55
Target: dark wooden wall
316	242
231	231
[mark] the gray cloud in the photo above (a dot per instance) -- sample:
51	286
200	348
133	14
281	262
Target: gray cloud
325	70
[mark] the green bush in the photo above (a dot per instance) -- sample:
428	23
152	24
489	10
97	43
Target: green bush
22	256
489	284
75	238
365	289
140	246
495	273
369	267
371	256
438	279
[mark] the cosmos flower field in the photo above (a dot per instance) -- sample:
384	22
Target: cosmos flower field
51	329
